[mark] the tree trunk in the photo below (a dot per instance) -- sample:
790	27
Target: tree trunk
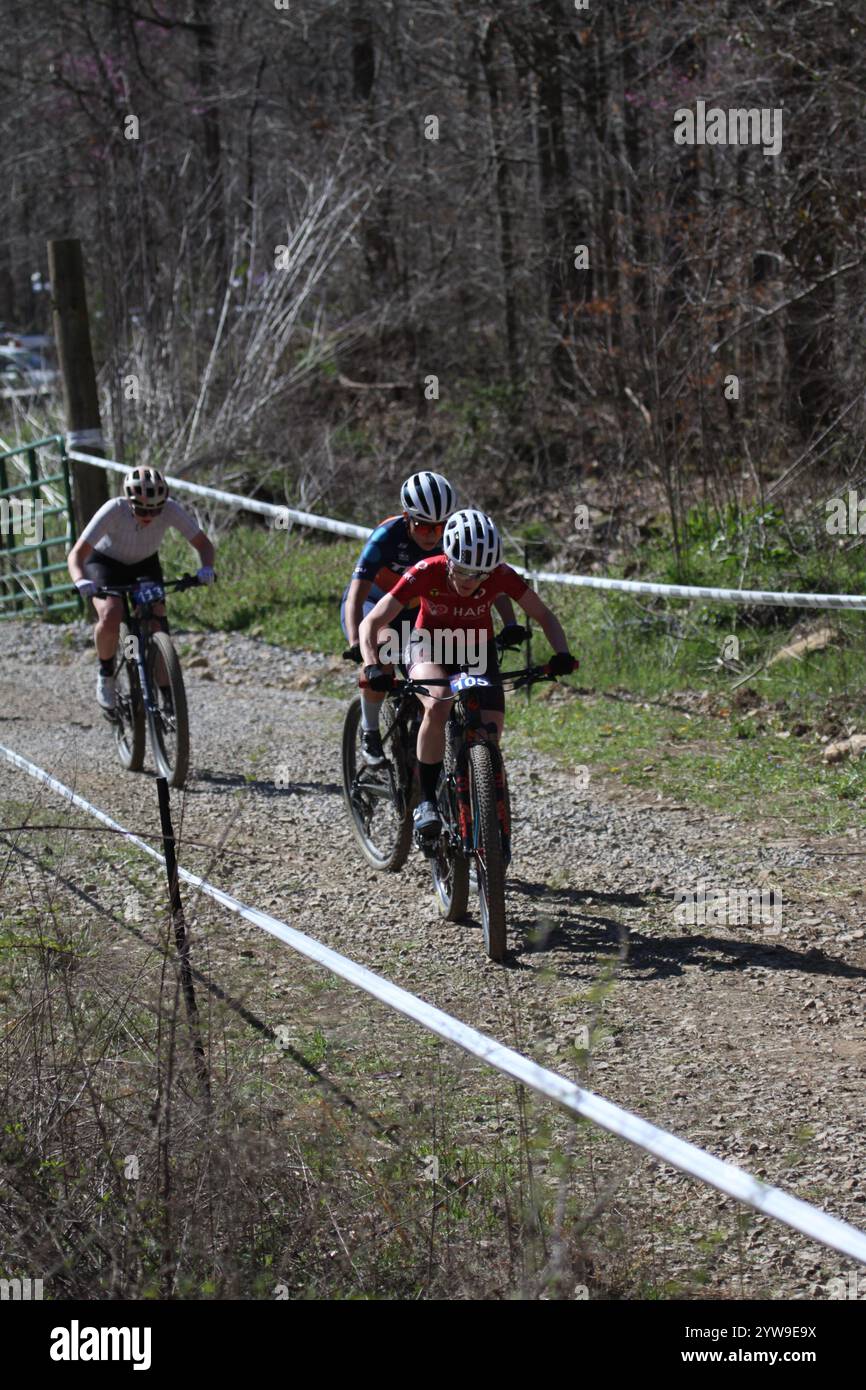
557	212
208	82
503	194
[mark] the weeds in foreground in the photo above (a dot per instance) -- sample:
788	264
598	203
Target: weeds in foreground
362	1162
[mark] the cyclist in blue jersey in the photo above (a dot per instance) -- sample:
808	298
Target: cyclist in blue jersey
396	545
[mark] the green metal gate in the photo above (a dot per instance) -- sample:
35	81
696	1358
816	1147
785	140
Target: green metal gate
25	588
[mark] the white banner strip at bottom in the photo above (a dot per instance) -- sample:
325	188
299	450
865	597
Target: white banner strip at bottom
688	1158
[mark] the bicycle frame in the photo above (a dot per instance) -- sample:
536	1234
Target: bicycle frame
473	846
138	620
138	617
466	715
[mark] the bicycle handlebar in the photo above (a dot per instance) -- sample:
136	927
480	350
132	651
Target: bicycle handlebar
187	581
516	680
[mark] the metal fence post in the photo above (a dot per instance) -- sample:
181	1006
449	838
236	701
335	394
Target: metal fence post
181	941
43	552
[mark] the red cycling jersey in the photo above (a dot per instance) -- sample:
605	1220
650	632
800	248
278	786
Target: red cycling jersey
442	608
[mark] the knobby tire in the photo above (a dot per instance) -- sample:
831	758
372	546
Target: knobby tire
391	857
488	853
173	764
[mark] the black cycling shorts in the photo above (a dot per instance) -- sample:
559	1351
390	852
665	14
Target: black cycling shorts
492	700
108	573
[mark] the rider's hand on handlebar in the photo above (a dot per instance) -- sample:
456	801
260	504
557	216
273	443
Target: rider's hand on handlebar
353	654
562	664
377	679
512	635
206	575
86	587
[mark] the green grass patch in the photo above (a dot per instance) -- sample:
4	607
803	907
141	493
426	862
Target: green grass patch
697	759
650	654
283	588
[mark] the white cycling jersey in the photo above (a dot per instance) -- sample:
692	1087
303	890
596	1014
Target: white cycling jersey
117	532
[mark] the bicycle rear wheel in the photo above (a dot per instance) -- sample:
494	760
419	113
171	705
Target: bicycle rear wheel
170	722
379	800
129	731
489	860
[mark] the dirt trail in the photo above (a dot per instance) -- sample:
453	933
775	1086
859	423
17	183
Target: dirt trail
750	1044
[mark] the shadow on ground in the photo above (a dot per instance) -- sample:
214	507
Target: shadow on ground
654	956
230	781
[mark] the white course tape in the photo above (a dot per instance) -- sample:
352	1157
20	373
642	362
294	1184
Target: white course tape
639	586
80	439
772	1201
586	581
247	504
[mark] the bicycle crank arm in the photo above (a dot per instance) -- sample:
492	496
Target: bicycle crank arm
371	789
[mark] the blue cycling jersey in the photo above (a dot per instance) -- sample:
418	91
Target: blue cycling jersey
388	552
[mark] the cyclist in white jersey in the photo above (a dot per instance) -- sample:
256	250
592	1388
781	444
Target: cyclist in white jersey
119	545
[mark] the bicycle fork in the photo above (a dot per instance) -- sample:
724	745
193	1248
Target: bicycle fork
150	708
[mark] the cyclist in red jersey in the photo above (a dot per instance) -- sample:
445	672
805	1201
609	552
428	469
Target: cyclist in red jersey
456	590
399	542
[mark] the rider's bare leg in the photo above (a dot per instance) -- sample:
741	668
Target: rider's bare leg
437	707
109	613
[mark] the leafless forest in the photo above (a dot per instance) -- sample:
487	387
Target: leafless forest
334	238
564	251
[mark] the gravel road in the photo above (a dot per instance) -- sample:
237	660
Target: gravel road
731	1036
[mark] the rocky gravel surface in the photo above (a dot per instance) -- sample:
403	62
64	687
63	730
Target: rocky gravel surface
749	1040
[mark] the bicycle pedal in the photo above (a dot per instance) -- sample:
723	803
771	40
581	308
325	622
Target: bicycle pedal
427	844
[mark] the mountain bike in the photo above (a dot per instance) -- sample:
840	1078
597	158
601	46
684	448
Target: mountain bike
143	700
474	848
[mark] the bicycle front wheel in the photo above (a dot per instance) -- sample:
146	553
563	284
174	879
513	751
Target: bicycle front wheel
450	867
379	800
490	864
129	709
170	721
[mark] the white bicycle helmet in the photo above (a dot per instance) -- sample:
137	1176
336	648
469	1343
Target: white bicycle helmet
471	539
428	497
146	488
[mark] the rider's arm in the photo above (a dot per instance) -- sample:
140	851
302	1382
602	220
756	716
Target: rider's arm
77	559
358	591
505	608
97	527
184	521
547	621
387	608
204	548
